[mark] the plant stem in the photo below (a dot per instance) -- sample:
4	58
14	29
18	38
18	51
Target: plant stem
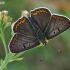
3	40
9	56
3	65
7	60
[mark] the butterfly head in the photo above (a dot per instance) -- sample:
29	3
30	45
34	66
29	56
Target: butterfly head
45	42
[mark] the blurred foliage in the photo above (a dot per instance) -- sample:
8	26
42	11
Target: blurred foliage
52	59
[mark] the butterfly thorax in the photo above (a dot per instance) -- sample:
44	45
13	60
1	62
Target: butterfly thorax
40	36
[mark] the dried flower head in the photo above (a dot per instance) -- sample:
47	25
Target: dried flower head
5	20
25	13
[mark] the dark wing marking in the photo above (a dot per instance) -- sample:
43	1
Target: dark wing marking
41	17
21	43
58	24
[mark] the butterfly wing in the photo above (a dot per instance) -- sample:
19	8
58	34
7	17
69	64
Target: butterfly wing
41	17
23	26
21	43
58	24
24	36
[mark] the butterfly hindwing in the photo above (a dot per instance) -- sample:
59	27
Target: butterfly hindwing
41	17
58	24
21	43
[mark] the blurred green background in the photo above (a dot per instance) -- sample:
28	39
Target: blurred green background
52	59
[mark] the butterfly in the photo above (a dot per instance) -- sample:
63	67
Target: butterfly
40	26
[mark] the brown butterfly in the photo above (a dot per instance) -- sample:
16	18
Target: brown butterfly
40	26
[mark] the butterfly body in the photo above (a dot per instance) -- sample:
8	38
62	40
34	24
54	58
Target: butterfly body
39	27
38	33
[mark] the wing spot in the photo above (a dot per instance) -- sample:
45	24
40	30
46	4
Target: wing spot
54	32
58	29
28	44
24	46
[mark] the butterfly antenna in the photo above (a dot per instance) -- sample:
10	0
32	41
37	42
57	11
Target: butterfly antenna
43	47
58	50
41	55
42	51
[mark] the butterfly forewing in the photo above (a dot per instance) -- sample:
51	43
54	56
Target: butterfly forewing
24	36
58	24
41	17
21	43
23	26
